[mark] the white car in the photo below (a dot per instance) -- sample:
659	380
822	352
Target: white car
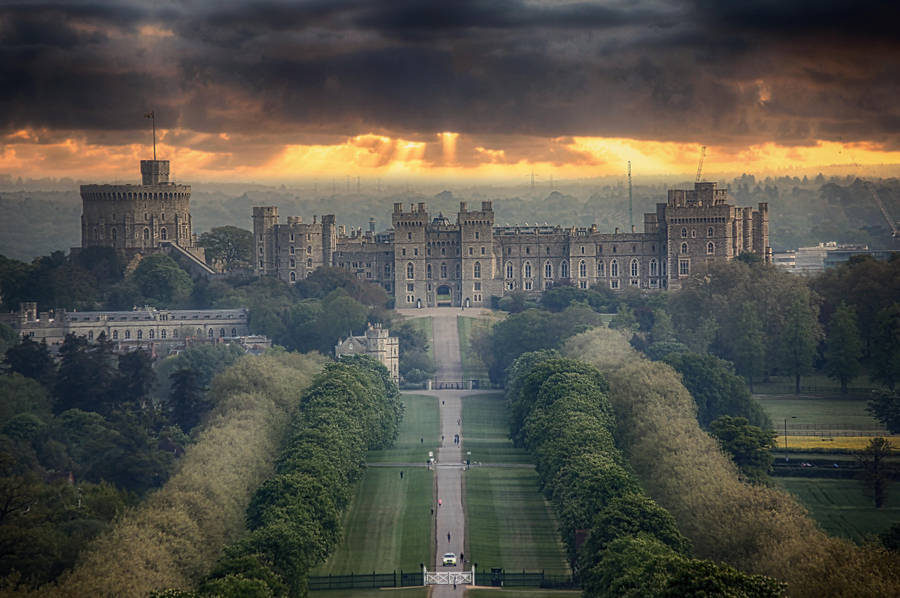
449	559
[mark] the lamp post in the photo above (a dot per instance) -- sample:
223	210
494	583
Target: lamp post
785	438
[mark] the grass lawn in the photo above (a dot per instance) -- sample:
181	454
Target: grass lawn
841	508
815	410
374	593
818	384
508	522
473	367
420	420
519	593
829	443
486	431
388	525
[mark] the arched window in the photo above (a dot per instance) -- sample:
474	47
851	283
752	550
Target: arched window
163	233
410	271
140	334
527	270
684	248
234	332
309	263
509	270
146	234
601	269
710	248
428	271
709	232
582	268
653	267
476	270
548	270
635	268
115	335
162	333
443	270
564	269
127	334
150	333
221	333
614	268
443	251
293	277
684	233
210	333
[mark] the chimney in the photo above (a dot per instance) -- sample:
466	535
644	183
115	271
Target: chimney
371	225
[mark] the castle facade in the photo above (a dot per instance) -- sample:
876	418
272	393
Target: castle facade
429	261
378	344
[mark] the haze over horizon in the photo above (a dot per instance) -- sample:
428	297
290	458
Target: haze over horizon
275	92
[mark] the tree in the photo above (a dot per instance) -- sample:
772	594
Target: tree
885	407
749	347
749	446
187	398
843	346
227	247
161	280
136	377
875	469
798	339
886	346
32	360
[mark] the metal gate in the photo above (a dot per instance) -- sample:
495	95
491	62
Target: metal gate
445	578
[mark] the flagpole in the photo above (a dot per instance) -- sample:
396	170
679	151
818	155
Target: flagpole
153	118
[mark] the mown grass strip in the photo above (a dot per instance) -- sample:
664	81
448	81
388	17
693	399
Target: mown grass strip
419	432
421	592
486	431
508	522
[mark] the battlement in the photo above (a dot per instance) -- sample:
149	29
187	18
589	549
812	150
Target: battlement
154	172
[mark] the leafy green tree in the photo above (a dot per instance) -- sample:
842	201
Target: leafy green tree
136	377
162	281
188	400
19	394
886	346
876	471
843	346
228	247
885	407
8	338
750	447
32	360
749	346
798	339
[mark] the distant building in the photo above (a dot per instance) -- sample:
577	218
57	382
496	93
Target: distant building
427	260
152	217
147	327
378	344
843	255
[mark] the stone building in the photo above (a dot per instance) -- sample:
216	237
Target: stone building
378	344
131	329
142	219
429	261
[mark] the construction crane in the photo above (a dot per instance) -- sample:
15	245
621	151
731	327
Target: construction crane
700	164
887	216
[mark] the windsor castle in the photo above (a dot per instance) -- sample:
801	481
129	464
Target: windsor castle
427	260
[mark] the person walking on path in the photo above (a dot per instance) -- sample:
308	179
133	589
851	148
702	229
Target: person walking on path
448	537
440	502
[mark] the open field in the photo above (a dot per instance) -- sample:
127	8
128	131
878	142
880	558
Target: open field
473	367
817	384
829	443
804	410
388	525
486	431
841	508
519	593
420	420
508	522
419	592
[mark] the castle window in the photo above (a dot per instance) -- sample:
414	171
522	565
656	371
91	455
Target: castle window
292	237
234	332
710	248
443	270
614	269
428	271
163	234
292	250
293	277
509	251
684	267
443	251
582	250
582	268
260	263
415	251
308	236
260	250
599	248
564	269
471	251
582	284
601	269
614	283
146	234
210	333
403	251
387	270
547	251
428	251
476	270
548	270
683	233
115	335
482	251
410	288
509	270
635	268
293	263
693	233
527	269
90	335
634	249
614	249
150	333
653	267
528	251
162	333
477	235
410	271
309	250
309	263
684	248
709	232
409	236
128	334
162	216
529	285
476	286
146	216
221	333
458	271
140	334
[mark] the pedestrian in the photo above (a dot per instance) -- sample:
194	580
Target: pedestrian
462	558
440	502
442	440
401	474
458	421
432	511
422	440
442	401
448	537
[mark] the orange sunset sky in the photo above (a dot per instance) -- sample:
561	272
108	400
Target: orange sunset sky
279	92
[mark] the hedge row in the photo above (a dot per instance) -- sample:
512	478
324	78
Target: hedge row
560	412
294	518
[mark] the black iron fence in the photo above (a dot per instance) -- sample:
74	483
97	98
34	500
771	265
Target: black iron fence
485	577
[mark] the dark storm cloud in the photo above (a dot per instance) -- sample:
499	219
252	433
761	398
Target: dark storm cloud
711	71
